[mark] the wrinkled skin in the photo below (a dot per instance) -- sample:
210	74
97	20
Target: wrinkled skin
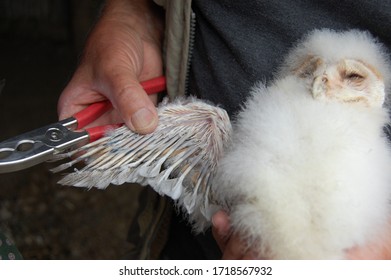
122	50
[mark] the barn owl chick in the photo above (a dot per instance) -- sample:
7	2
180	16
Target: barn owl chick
306	169
347	67
308	172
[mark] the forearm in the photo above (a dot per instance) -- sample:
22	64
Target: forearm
143	16
124	22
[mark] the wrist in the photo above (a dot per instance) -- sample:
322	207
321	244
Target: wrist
142	16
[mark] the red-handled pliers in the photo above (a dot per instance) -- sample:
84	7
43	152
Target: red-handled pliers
42	144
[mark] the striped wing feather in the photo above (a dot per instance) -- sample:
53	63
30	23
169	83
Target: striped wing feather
178	159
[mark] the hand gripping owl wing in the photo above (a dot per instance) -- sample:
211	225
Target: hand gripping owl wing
178	159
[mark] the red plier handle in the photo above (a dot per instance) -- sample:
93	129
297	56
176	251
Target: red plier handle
94	111
43	143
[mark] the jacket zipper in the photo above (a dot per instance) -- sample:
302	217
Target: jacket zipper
190	50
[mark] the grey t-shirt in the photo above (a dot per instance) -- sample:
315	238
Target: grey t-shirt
240	42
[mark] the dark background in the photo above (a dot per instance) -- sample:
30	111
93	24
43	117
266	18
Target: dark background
40	42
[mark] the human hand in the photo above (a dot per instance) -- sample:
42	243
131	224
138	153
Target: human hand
123	49
378	249
233	247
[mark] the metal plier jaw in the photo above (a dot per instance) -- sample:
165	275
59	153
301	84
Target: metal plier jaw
40	145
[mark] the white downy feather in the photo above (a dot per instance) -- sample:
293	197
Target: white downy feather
307	180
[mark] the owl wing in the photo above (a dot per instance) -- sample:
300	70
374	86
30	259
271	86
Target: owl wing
178	159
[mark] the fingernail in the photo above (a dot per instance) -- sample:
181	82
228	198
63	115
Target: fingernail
143	120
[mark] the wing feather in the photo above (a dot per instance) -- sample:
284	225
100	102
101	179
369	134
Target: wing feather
177	160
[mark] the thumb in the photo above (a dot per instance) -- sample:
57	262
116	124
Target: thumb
221	229
135	107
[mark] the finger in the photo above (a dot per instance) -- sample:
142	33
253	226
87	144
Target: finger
221	229
78	94
75	99
68	105
135	107
232	246
377	249
235	249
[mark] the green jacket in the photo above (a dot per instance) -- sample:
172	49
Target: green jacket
179	30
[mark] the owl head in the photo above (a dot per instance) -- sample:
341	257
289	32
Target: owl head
350	66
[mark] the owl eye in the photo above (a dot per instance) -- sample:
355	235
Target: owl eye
354	76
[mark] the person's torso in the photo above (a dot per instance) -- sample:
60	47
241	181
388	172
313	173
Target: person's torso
238	43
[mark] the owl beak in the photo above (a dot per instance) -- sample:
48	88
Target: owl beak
319	87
